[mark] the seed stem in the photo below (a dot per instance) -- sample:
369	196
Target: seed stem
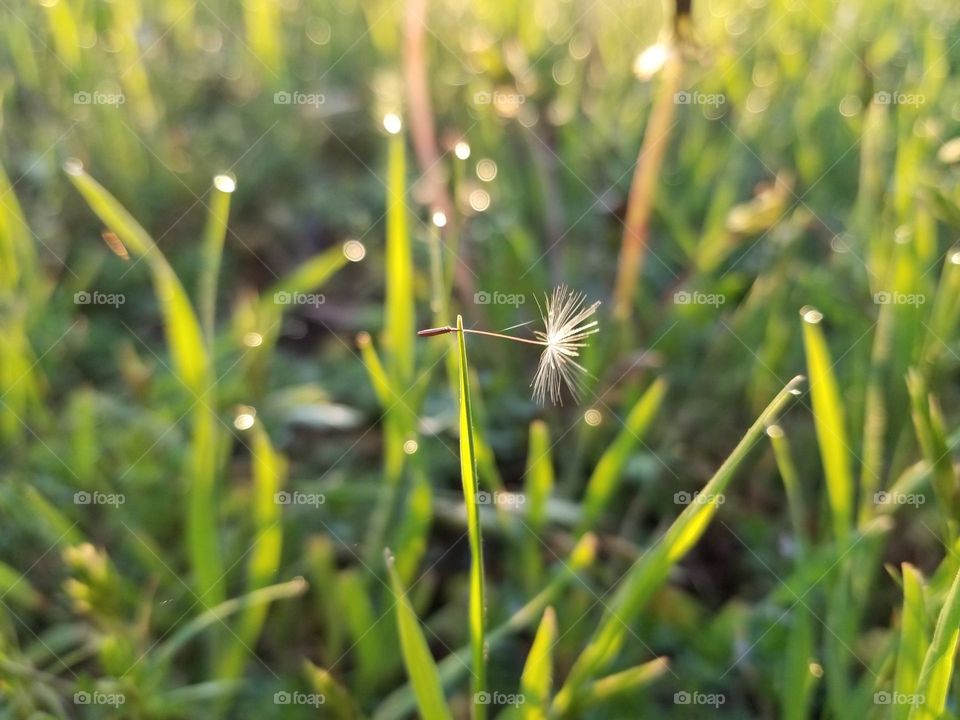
430	332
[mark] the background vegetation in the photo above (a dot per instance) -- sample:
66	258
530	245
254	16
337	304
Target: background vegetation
221	224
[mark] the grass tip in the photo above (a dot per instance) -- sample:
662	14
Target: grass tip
73	166
225	182
810	314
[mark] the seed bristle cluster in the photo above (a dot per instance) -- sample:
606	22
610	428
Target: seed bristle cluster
566	329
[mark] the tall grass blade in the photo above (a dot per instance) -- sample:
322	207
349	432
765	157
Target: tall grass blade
829	423
913	639
536	680
421	668
936	673
213	236
652	569
468	475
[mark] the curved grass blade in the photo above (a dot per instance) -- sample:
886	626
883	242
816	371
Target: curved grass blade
421	668
606	477
537	678
652	569
213	236
913	639
937	671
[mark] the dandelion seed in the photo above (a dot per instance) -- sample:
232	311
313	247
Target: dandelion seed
565	331
566	327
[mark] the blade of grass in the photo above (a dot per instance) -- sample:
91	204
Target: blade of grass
213	236
913	639
652	569
537	677
937	670
829	423
468	475
606	477
624	682
421	668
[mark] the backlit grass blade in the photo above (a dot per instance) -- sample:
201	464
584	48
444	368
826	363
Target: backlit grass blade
368	636
624	683
468	475
401	703
183	331
913	639
263	560
415	525
399	320
536	680
606	477
213	237
421	668
538	486
166	650
936	673
652	569
192	366
337	703
17	251
829	423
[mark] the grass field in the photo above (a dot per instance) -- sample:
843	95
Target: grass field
236	483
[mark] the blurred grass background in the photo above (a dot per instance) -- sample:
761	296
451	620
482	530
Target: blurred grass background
221	225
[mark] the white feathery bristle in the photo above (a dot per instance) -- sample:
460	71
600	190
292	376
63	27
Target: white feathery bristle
565	332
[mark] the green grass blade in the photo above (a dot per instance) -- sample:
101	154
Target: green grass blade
399	319
539	480
537	678
166	650
652	569
468	475
421	668
829	423
264	559
184	336
625	682
937	670
213	236
605	479
913	639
